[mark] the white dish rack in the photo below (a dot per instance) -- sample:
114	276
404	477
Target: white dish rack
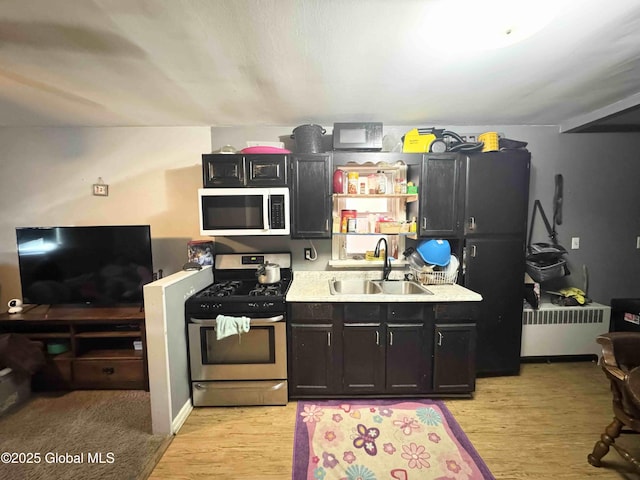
428	276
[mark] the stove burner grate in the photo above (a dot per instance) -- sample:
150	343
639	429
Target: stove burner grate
266	290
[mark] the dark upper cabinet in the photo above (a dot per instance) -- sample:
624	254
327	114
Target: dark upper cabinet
440	195
311	196
222	170
497	193
266	170
240	170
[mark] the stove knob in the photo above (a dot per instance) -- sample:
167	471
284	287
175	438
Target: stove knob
253	305
268	304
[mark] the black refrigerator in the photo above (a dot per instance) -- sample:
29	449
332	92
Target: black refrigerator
495	229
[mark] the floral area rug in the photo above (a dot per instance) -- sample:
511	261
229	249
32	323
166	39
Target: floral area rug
382	440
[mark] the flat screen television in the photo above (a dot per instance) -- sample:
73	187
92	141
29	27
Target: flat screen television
92	265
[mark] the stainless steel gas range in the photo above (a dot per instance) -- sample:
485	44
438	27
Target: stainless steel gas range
248	367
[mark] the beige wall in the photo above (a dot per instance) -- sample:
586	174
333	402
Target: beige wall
153	175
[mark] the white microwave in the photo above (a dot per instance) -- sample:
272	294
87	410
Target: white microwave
244	211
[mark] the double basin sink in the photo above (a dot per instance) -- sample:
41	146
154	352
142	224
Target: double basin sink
376	287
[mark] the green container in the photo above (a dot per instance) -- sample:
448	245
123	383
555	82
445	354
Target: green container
55	348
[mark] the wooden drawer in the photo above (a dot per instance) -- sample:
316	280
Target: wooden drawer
457	311
303	312
105	374
405	312
362	312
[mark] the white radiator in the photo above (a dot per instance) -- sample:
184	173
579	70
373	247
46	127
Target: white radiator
553	330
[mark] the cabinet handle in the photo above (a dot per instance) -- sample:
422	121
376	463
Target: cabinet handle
390	338
474	250
424	223
326	225
108	370
328	339
472	223
439	339
377	338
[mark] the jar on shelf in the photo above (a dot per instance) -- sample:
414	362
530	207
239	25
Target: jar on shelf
372	183
338	181
382	183
348	221
352	183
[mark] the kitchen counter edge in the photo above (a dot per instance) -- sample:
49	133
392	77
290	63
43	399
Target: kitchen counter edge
313	286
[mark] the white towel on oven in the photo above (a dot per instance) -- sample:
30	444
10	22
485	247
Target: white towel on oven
227	325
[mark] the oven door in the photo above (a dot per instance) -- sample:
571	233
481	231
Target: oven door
259	354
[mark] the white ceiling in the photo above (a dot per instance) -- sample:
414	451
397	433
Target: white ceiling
290	62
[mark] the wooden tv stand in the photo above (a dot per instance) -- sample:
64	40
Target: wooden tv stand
99	343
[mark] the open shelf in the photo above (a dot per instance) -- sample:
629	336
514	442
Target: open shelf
109	354
109	334
408	197
101	342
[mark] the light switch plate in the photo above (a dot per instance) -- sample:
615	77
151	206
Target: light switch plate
575	243
100	189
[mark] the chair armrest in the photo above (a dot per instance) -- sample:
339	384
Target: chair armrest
615	372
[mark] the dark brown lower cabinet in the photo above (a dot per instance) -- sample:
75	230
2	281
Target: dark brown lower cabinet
341	350
407	359
454	354
363	362
312	350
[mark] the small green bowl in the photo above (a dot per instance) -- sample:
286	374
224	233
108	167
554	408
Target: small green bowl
55	348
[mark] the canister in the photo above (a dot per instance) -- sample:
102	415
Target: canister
348	220
338	181
352	183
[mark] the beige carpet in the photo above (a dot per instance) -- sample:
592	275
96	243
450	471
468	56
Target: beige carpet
82	434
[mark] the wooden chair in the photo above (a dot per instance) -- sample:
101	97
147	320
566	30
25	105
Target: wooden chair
621	364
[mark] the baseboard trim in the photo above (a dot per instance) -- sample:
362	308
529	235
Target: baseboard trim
182	416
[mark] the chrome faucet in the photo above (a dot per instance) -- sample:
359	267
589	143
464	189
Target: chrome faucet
386	266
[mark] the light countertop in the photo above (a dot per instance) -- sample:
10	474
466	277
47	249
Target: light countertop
313	286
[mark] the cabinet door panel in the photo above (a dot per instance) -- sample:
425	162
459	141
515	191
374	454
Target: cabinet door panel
495	269
362	358
439	202
497	193
266	170
311	359
222	170
311	204
454	358
407	370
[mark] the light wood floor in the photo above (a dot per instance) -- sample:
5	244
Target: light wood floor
537	426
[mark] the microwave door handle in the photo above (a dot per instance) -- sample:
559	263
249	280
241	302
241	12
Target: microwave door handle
266	207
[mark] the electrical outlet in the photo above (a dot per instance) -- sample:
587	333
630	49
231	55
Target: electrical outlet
307	254
575	243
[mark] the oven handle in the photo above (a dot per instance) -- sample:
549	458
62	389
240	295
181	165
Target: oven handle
257	321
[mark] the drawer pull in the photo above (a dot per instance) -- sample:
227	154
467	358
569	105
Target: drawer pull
108	370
